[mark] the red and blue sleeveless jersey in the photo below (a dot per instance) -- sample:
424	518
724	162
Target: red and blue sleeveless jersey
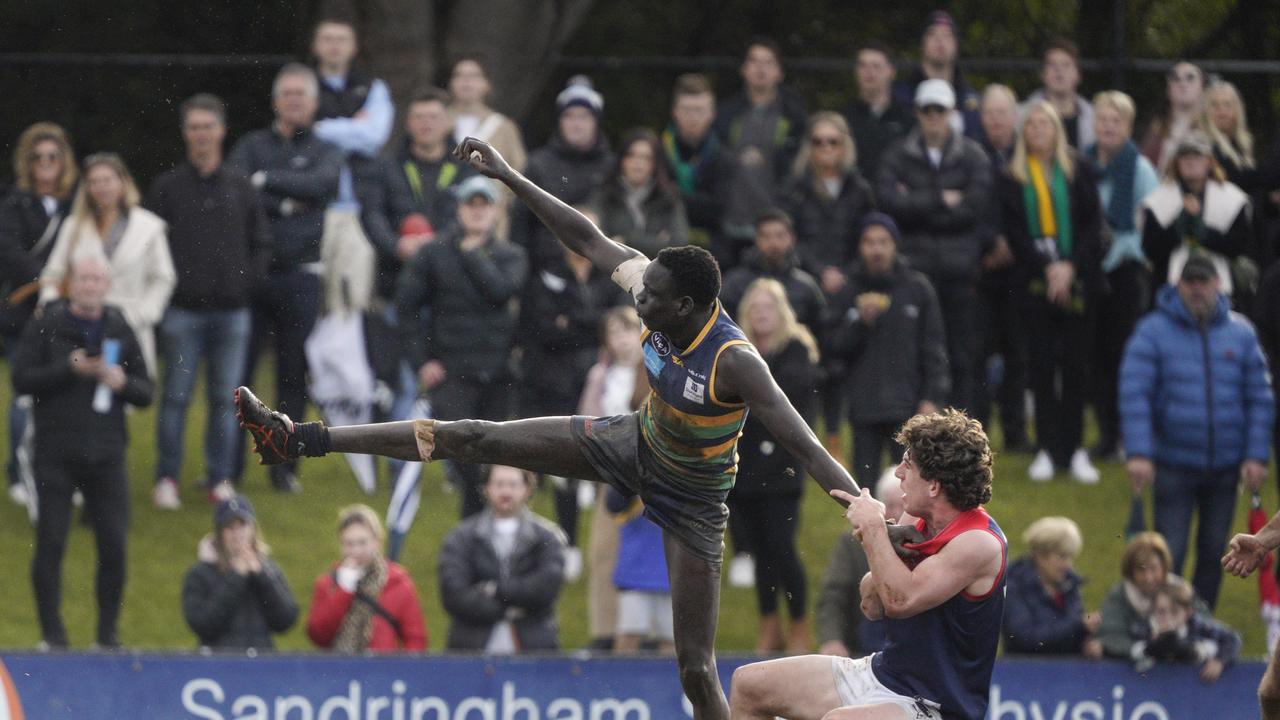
946	654
691	433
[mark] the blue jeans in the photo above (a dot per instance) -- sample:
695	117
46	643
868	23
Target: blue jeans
219	338
1177	493
285	308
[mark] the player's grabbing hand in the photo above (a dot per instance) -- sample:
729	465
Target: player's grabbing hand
1244	555
483	157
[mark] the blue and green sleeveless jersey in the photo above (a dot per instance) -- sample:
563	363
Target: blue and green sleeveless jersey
690	432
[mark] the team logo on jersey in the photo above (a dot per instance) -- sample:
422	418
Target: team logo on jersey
695	391
661	343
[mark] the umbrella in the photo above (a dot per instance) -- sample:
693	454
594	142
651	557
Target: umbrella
342	383
1268	592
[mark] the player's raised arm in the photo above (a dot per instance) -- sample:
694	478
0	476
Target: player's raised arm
569	226
743	374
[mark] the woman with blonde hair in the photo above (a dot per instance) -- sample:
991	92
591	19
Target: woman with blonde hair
826	198
365	602
45	172
1053	219
106	220
768	490
1227	125
1044	614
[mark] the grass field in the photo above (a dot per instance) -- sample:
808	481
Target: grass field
300	530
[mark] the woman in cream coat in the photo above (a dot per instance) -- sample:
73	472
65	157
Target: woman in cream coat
106	220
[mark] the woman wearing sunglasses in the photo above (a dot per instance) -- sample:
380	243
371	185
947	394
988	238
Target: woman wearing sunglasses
1185	92
45	173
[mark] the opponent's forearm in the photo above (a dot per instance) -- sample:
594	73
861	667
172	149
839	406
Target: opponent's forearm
393	439
892	579
568	225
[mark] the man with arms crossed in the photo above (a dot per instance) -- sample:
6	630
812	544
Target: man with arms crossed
942	614
678	452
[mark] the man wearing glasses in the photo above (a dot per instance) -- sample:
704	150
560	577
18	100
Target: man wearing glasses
935	183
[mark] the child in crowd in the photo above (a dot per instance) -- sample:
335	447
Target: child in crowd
1179	634
640	575
615	386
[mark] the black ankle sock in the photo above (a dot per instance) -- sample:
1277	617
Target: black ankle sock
312	439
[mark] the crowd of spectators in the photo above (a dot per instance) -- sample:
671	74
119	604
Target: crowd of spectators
927	245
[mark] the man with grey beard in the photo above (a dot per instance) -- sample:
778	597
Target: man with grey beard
1196	410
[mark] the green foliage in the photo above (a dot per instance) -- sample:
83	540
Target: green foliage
300	530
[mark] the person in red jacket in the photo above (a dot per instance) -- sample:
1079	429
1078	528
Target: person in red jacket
365	602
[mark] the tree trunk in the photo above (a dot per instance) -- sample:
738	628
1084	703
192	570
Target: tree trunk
397	40
519	42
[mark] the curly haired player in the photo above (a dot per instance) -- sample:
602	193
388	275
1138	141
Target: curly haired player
942	613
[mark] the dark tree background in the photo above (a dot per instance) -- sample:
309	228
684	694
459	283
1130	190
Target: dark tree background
66	65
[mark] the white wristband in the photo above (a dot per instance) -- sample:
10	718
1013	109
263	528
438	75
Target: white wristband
630	274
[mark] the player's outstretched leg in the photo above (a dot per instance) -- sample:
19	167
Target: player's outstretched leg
695	609
543	445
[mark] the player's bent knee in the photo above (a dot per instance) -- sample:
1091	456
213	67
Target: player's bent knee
746	690
697	676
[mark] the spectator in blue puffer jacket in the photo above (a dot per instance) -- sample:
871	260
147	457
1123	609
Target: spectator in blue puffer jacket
1196	411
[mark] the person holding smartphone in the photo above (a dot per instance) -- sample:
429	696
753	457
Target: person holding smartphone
80	443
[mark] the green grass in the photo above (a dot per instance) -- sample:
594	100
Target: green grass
300	531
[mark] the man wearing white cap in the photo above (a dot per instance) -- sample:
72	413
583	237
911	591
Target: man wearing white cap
935	183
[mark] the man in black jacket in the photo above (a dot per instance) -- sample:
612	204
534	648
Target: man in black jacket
760	128
467	281
221	247
936	184
571	166
296	176
501	571
774	256
876	119
887	325
81	363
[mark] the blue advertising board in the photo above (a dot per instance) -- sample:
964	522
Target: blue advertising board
317	687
